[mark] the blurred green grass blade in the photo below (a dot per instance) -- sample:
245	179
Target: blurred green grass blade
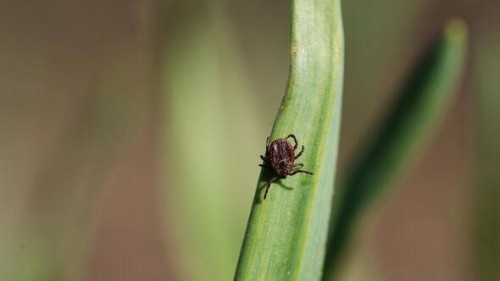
207	139
418	110
286	234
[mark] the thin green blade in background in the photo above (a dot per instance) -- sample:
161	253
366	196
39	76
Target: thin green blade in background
421	105
286	233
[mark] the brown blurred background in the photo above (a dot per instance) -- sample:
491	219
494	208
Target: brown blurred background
113	113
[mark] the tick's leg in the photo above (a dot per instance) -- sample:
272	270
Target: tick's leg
266	166
267	189
266	163
300	153
301	171
300	165
264	159
294	139
269	185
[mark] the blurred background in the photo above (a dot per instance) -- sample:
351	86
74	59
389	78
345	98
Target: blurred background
130	135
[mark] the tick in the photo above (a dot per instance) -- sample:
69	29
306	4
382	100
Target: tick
280	159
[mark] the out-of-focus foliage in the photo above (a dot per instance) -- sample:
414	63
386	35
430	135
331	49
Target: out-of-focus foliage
210	151
487	192
420	106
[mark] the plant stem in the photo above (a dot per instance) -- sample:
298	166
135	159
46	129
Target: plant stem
286	234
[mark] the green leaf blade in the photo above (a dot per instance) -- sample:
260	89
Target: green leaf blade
286	233
421	105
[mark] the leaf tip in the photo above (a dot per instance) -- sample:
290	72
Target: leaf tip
456	30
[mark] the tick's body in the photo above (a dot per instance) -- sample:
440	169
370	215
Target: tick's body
280	158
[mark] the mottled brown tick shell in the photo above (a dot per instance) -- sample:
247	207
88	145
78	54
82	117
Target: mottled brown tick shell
280	158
